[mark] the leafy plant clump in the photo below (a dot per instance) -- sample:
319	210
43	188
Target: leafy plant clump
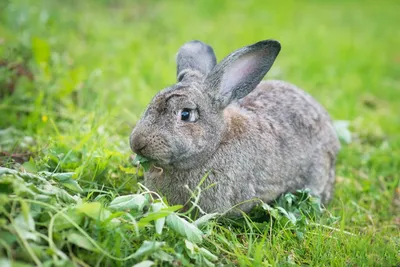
48	219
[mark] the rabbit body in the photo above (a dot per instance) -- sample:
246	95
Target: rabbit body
253	144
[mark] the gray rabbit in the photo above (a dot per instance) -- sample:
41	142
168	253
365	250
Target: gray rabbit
253	139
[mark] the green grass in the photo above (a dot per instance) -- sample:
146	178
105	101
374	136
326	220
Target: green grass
96	65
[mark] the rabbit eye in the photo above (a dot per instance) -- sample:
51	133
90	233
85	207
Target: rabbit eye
187	115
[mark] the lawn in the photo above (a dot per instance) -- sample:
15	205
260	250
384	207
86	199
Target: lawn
75	76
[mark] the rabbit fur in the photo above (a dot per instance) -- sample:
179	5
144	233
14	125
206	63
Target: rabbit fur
253	139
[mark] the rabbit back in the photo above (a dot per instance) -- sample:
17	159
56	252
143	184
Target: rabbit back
303	131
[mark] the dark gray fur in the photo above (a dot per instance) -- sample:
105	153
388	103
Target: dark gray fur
194	61
256	140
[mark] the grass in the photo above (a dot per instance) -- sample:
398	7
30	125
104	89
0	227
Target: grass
76	75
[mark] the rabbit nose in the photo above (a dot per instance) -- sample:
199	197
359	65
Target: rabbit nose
138	143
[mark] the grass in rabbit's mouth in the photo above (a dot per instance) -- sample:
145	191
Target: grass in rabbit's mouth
69	193
142	161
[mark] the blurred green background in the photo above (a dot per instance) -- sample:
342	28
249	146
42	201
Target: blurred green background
76	75
342	52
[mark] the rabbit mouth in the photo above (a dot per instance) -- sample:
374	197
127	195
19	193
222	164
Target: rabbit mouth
158	160
167	162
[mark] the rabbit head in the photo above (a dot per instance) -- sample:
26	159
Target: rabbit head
184	123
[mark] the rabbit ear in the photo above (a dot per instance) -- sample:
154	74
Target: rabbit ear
194	61
241	71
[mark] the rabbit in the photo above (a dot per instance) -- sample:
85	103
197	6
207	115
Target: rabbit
249	139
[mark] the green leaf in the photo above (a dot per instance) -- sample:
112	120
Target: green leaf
299	235
206	262
94	210
65	179
207	254
144	162
7	263
8	238
30	166
81	241
148	247
162	256
25	222
195	252
153	216
272	211
342	130
140	159
65	197
204	219
129	202
145	263
290	198
288	215
159	223
190	246
26	227
184	228
60	223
